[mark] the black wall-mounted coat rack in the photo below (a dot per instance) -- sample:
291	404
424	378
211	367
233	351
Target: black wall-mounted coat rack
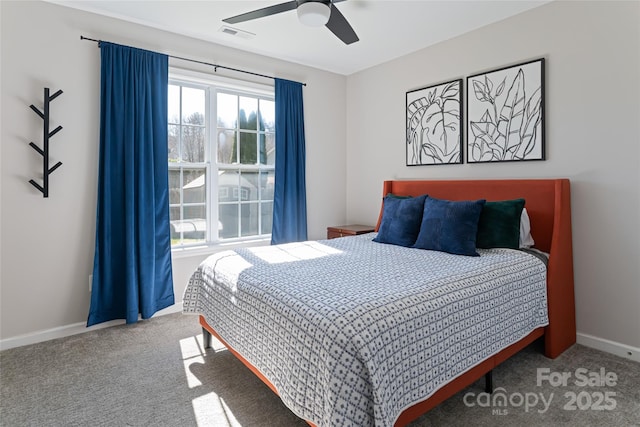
44	152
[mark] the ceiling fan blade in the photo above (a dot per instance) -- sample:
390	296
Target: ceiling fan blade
261	13
340	27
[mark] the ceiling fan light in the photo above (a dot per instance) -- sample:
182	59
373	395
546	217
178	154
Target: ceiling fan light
314	13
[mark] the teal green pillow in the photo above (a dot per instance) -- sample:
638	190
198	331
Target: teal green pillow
450	226
499	225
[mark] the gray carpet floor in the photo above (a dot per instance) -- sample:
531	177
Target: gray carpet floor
155	373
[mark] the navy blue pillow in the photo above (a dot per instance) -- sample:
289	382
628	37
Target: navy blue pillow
450	226
401	218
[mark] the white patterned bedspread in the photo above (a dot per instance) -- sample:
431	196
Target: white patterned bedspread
352	332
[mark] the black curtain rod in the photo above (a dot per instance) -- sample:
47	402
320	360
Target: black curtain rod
215	66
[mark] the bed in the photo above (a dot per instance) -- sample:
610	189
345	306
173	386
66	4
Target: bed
370	348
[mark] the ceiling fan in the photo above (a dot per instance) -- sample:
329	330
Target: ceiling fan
310	12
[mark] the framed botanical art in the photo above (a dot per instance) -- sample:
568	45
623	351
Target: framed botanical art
434	124
505	114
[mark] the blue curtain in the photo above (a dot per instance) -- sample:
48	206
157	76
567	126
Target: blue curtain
289	199
132	262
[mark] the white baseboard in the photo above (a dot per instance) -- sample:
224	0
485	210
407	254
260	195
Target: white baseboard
68	330
622	350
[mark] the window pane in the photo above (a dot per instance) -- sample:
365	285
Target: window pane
174	143
174	214
267	183
194	186
227	110
228	217
227	153
251	183
193	226
228	186
174	104
193	212
248	148
174	189
267	116
193	105
266	217
248	187
248	116
189	227
193	144
249	219
267	149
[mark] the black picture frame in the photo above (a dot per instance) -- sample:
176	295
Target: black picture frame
505	114
434	124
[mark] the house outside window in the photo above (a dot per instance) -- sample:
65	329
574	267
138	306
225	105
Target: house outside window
221	161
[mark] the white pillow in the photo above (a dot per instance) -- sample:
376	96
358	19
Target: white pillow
526	240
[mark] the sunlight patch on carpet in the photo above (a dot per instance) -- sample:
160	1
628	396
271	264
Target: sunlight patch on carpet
211	410
193	351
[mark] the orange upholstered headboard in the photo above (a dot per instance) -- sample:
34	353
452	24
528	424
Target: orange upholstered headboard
548	203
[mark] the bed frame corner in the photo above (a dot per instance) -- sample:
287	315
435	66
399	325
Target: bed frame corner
561	332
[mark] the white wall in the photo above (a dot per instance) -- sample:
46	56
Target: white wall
592	52
47	244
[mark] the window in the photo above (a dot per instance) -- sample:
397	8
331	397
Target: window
221	162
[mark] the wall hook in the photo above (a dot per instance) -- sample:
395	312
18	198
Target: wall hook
44	151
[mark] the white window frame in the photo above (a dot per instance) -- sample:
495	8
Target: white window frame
212	84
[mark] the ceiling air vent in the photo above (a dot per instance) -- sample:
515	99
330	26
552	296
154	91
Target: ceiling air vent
236	32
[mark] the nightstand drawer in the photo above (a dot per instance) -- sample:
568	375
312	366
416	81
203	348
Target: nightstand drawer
348	230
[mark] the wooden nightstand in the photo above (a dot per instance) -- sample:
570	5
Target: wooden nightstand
348	230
